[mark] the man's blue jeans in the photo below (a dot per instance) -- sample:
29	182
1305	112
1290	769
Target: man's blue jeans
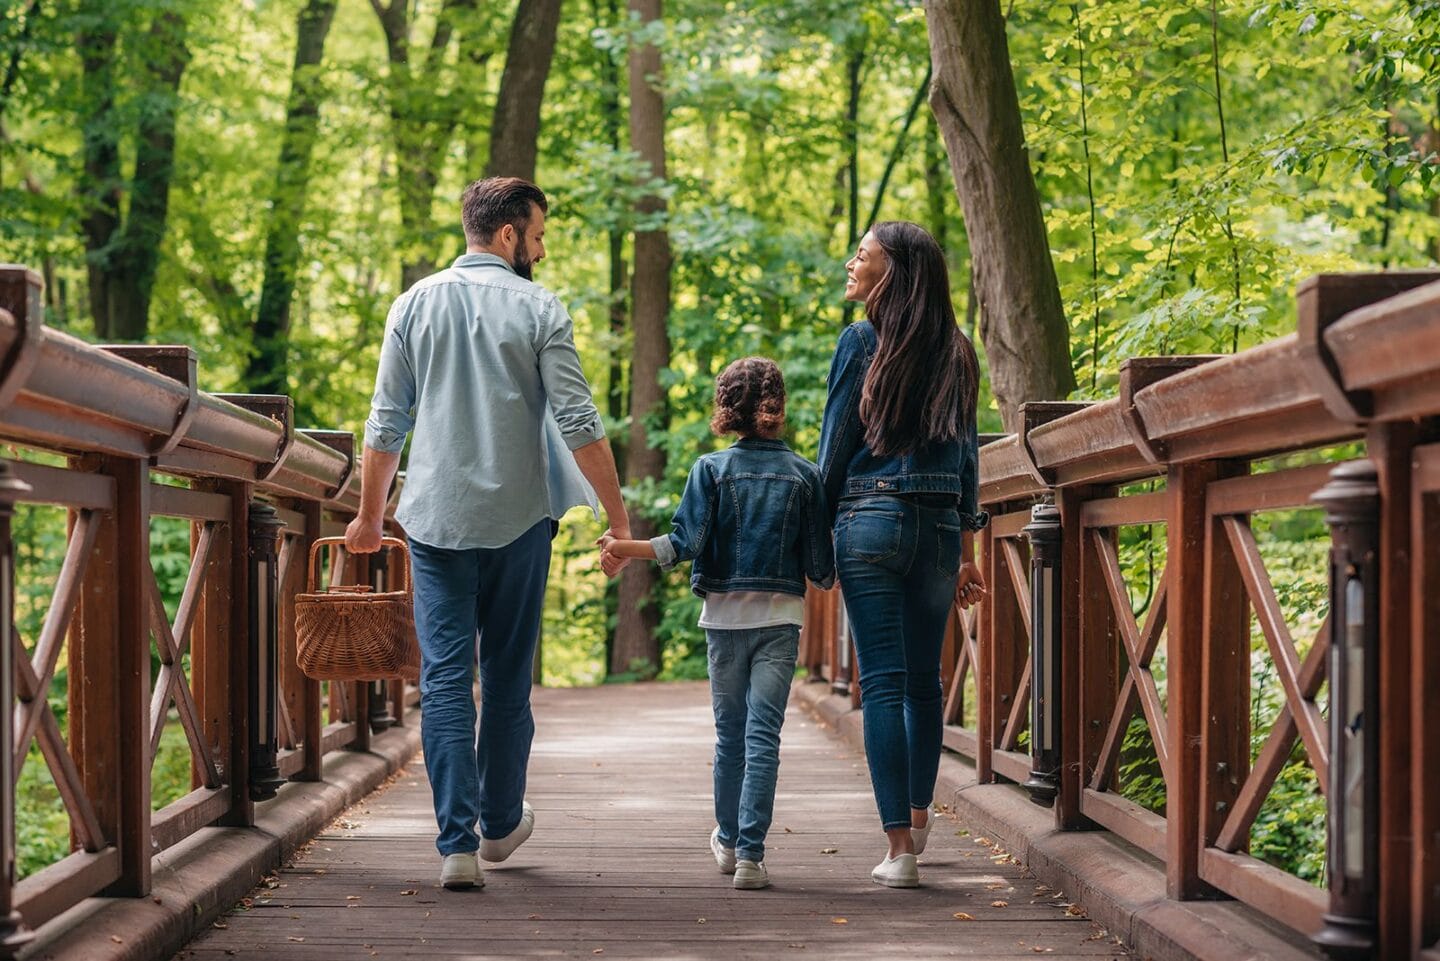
898	560
498	593
750	675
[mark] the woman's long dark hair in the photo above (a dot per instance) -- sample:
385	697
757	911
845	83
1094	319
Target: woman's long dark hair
923	383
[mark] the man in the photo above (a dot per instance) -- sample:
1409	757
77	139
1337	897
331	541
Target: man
480	363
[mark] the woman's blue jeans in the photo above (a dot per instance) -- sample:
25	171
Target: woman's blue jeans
898	559
498	594
750	675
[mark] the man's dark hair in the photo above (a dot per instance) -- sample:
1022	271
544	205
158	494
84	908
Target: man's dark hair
489	204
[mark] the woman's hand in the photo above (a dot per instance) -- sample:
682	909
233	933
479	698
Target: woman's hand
970	588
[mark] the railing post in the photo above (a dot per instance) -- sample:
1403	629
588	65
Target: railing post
985	663
1046	655
13	932
380	716
1352	508
234	659
264	533
313	720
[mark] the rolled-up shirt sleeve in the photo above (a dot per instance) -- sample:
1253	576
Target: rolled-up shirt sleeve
565	385
392	408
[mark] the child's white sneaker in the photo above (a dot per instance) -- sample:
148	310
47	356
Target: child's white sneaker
725	857
751	875
460	872
897	872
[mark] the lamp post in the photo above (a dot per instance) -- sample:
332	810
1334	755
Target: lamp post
380	718
265	532
1352	507
13	932
1046	656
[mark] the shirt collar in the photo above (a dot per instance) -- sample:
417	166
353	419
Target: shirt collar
482	260
762	443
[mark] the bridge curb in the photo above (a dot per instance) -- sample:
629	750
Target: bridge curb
207	874
1116	884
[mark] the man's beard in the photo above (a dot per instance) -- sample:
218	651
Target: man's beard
524	266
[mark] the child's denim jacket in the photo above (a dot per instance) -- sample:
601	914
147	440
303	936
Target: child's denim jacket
850	469
752	518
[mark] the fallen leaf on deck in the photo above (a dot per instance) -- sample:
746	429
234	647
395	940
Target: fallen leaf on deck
699	920
1074	911
297	940
999	904
409	892
117	939
962	916
839	921
829	850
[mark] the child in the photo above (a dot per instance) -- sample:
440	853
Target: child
752	518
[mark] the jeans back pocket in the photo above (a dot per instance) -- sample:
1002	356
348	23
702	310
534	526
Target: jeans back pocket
870	535
949	539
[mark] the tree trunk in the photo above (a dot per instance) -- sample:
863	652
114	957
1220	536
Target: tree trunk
935	187
100	184
636	646
424	112
515	130
138	256
122	256
1022	318
268	369
854	65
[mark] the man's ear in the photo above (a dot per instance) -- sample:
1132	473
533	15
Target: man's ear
506	237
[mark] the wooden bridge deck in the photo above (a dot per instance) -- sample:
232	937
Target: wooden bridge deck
619	865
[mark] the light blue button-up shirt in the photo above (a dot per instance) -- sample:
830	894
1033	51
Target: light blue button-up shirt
481	365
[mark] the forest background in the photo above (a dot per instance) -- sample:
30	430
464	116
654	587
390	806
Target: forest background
261	178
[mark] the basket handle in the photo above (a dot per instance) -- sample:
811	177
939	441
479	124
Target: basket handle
313	579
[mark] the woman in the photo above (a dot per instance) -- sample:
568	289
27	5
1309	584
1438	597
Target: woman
899	462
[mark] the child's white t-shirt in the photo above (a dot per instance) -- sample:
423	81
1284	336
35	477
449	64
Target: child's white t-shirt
744	610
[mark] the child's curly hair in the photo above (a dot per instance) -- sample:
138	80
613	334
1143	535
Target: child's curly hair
750	398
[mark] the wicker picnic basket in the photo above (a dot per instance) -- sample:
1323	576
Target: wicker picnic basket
352	633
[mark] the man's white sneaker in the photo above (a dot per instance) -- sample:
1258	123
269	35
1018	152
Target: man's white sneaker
751	875
897	872
725	857
921	835
501	848
459	872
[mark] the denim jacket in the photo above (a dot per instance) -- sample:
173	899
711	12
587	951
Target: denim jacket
849	468
752	518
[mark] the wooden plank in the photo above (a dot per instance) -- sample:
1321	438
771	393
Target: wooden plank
68	488
1268	492
1016	697
1427	468
310	711
210	635
1269	890
1100	685
985	660
1142	828
196	505
1391	447
181	818
961	740
1009	525
1185	570
1425	732
1125	511
338	734
53	890
575	885
1012	764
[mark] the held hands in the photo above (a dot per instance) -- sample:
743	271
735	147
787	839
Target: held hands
970	588
610	562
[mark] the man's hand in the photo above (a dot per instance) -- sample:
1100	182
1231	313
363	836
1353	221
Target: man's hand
362	535
970	588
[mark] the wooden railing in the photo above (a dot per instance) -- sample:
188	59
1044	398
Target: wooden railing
115	437
1191	451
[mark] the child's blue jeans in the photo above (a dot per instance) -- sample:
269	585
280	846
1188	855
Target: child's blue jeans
750	675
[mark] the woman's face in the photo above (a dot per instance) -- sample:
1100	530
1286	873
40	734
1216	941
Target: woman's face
864	270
